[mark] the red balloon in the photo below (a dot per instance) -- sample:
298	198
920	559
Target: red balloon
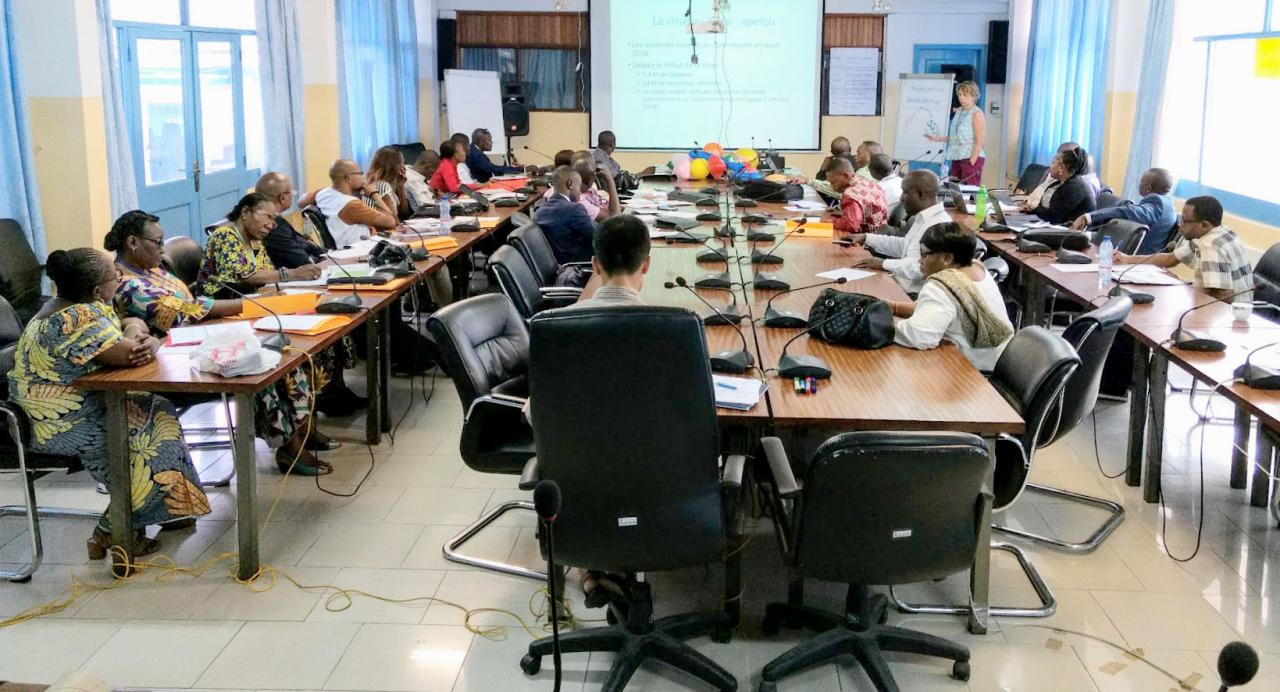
716	167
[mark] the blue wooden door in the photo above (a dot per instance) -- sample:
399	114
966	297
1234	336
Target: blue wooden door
936	59
220	102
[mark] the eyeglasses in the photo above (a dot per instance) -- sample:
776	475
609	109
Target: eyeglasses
159	243
926	253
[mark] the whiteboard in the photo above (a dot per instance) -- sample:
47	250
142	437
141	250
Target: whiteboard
473	98
924	108
853	77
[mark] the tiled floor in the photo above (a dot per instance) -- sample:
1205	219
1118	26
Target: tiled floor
206	631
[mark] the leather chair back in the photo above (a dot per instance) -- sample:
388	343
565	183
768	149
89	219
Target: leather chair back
10	331
411	152
1030	375
519	219
1107	199
1126	235
483	342
624	422
182	257
898	215
1091	334
517	280
19	269
536	250
1266	276
997	267
311	213
875	522
1032	175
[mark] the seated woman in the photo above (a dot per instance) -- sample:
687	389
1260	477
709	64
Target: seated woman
235	258
959	301
1069	194
149	293
445	180
75	334
387	174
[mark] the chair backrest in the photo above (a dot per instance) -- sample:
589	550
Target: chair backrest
624	422
483	342
19	267
519	219
1030	375
1126	236
411	151
182	258
1107	199
311	213
876	519
1032	175
215	225
517	280
898	215
979	250
537	251
1266	276
10	331
1091	334
997	267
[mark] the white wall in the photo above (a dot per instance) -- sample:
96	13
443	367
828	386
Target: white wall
318	28
1128	19
72	70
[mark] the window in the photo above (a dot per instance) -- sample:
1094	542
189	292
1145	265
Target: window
544	54
852	31
217	14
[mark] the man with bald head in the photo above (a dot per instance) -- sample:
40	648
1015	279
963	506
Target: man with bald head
840	149
351	206
863	158
565	223
1154	210
482	169
285	246
863	208
920	199
599	206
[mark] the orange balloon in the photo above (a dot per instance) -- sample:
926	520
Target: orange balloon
713	148
716	167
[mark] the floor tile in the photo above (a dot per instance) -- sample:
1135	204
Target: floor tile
1077	612
262	601
459	506
1115	671
280	543
41	651
1165	621
151	596
188	649
416	471
396	584
492	543
280	655
494	664
1026	667
1253	618
491	590
362	545
402	657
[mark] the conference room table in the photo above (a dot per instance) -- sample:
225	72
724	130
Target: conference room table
172	371
1152	327
892	388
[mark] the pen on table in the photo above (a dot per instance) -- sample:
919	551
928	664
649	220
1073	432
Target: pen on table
729	387
813	385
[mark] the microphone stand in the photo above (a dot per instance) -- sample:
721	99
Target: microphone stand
725	361
805	365
276	342
1188	341
546	500
711	255
1258	376
731	314
758	257
1138	298
346	304
787	318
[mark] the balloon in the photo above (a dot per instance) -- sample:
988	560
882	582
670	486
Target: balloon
698	169
713	148
676	159
699	154
716	167
681	168
749	156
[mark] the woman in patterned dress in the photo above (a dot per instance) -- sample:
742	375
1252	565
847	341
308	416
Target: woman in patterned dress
160	299
78	333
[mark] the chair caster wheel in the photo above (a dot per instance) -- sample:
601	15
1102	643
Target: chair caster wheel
770	626
960	671
768	686
24	580
722	635
531	664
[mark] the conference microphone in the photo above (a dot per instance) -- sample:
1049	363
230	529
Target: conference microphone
1187	341
788	318
539	153
731	314
1258	376
546	502
758	257
1237	664
805	365
1138	297
346	304
725	361
275	342
711	255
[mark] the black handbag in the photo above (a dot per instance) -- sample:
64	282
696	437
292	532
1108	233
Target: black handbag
851	319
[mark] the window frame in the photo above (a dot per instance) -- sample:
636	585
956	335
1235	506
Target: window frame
582	87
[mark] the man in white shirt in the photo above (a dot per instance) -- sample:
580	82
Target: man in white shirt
416	177
920	198
348	217
881	168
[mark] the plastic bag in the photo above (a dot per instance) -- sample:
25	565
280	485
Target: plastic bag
234	353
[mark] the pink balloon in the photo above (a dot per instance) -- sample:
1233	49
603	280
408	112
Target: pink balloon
681	169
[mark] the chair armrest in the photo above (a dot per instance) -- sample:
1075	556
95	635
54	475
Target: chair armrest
780	467
529	476
585	265
731	474
504	400
560	291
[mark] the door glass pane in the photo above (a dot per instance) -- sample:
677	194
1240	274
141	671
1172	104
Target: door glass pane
150	11
160	107
223	14
255	142
217	106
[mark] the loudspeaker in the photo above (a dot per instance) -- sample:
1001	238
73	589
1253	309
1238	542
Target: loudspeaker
446	46
515	113
997	51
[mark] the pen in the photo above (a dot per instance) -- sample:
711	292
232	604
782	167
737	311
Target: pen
813	385
729	387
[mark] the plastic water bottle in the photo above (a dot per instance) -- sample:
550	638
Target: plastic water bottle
446	213
1106	259
980	205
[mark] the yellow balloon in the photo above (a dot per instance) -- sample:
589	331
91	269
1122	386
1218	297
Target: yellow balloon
698	169
748	156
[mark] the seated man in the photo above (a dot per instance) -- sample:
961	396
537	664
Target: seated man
599	206
881	168
620	262
606	144
416	177
566	223
920	199
863	208
482	169
1154	210
351	206
863	157
285	246
1213	251
840	149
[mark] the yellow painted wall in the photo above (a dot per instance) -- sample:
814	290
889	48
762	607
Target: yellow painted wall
320	141
1121	107
70	150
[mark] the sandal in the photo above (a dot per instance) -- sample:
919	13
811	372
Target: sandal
100	543
601	589
320	442
306	465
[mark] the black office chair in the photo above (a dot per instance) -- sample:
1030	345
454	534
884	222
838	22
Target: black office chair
519	219
10	332
410	151
20	272
1107	199
520	283
1032	175
1091	335
536	250
311	214
182	257
484	346
997	267
862	517
1030	374
898	216
1126	236
1266	278
624	422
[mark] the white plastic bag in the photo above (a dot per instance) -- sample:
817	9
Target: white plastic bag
234	353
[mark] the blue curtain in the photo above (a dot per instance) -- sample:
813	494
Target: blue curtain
1066	83
1155	61
548	78
19	198
122	180
485	59
377	76
280	55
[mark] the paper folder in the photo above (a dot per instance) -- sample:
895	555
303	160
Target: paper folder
283	304
374	288
813	229
306	325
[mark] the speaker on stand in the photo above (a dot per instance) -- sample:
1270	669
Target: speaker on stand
515	116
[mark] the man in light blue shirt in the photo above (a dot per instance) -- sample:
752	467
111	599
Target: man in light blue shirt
1154	210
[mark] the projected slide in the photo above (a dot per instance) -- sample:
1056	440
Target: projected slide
756	74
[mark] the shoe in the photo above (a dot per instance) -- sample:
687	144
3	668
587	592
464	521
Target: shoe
320	442
306	465
178	524
99	544
340	403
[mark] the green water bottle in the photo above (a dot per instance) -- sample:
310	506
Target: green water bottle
980	205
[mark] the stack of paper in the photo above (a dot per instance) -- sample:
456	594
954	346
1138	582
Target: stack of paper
738	393
806	205
195	335
1146	274
848	273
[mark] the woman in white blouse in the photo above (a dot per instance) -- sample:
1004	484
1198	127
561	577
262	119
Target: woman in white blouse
959	301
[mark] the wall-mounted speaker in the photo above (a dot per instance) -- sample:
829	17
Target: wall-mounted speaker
446	46
997	51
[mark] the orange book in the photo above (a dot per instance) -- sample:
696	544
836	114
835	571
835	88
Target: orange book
813	229
375	288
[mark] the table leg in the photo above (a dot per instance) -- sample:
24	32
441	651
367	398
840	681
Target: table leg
384	372
373	378
246	486
980	573
1266	460
1157	392
1239	453
1137	412
119	479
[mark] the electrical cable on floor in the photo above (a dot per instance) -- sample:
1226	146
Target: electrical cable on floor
1136	654
1097	456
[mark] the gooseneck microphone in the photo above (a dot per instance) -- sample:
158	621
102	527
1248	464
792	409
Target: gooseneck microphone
546	502
711	255
805	365
1138	297
345	304
730	314
769	257
1237	664
539	153
275	342
788	318
1187	341
724	361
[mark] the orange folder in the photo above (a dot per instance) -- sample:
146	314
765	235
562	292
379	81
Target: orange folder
374	288
283	304
813	229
